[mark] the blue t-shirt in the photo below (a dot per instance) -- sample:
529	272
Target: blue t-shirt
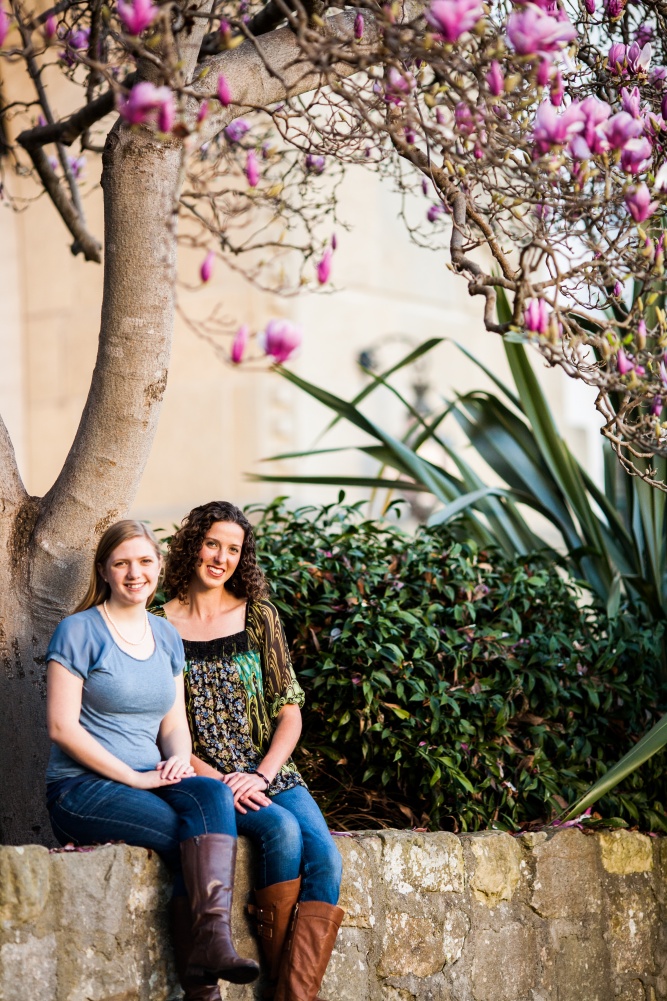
124	699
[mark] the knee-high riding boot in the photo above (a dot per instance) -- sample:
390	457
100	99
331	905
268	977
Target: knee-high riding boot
181	933
273	913
311	940
208	870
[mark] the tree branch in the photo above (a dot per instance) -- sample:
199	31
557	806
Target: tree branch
12	491
84	242
71	128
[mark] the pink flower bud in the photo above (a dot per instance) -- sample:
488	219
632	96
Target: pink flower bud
4	24
137	15
359	25
281	339
536	316
206	269
252	169
624	364
434	212
590	6
618	290
324	267
202	112
50	27
495	79
656	406
224	92
239	344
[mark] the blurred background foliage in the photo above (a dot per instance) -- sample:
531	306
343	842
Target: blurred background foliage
453	685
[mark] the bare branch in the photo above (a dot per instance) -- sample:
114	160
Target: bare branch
71	128
84	242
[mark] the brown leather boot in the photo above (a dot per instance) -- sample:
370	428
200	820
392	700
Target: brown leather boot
181	934
273	913
208	870
305	958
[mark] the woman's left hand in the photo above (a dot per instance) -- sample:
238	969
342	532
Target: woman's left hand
175	768
249	790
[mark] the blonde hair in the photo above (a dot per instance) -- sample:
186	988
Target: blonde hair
98	589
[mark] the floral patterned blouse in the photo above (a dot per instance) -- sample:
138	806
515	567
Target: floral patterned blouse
235	687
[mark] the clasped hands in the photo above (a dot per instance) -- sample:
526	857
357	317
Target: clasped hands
249	790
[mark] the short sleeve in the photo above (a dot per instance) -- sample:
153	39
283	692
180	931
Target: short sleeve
170	640
280	685
72	646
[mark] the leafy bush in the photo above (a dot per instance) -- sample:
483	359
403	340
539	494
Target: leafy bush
453	686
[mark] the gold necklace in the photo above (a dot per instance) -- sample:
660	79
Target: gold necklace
124	638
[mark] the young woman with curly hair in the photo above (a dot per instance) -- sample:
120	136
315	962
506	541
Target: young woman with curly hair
243	703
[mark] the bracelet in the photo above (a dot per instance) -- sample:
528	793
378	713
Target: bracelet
263	776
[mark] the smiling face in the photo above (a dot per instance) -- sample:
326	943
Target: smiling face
219	554
132	571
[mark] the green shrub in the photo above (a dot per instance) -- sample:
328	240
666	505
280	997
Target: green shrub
452	687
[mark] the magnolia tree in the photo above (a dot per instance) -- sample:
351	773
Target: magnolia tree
532	132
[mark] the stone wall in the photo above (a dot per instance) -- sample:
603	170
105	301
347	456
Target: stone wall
435	917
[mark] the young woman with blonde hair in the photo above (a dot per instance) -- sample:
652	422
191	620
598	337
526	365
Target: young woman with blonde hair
120	763
243	703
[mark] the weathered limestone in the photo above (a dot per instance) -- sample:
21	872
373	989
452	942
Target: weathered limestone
430	917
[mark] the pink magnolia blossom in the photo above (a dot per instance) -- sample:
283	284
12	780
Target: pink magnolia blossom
224	91
398	86
638	201
464	119
616	58
434	212
75	41
536	316
531	32
590	6
359	25
315	164
618	290
50	27
252	169
636	155
452	18
543	73
235	131
615	8
4	24
495	79
620	128
281	339
557	90
631	101
639	58
146	103
554	129
624	363
206	269
137	15
644	34
239	344
324	267
656	406
594	113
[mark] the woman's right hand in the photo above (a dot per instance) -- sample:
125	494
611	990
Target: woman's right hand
151	780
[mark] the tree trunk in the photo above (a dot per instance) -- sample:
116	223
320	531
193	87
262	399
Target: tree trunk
49	542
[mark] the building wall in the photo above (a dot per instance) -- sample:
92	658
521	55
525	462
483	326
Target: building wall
218	422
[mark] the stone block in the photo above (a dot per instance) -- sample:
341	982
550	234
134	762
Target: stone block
505	963
414	863
348	974
626	852
421	945
356	893
28	969
633	990
567	878
497	867
581	968
24	883
633	930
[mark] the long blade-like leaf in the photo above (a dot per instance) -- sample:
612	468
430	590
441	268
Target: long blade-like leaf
650	744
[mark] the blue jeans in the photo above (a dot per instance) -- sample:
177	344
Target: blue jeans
293	839
95	810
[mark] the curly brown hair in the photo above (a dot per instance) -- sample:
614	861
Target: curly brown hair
247	581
